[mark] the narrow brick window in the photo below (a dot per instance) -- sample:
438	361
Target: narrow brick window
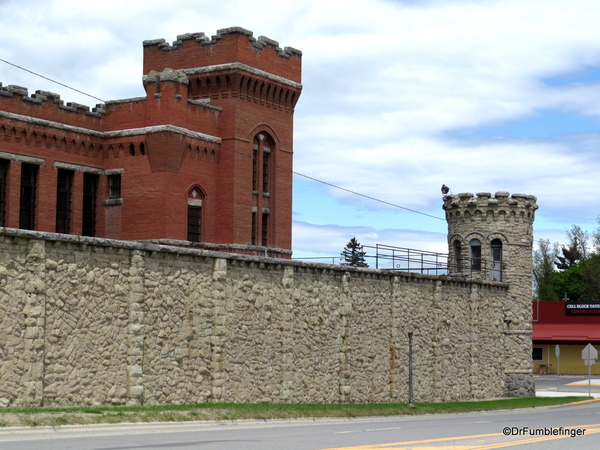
64	188
265	229
3	178
262	162
255	166
29	175
254	226
90	195
194	223
114	186
194	219
266	168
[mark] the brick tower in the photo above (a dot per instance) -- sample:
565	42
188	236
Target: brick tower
490	238
256	85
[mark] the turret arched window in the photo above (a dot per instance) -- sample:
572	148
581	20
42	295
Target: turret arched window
458	262
496	263
475	254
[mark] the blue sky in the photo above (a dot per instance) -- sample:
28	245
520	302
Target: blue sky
399	97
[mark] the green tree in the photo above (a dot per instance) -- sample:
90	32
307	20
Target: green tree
569	282
589	272
544	273
596	237
578	274
570	257
580	239
353	254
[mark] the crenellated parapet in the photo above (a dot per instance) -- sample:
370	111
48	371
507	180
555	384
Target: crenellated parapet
193	51
201	39
487	207
44	98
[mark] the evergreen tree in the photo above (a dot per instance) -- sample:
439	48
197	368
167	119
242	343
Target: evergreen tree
353	254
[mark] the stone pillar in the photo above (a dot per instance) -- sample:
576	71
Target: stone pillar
135	347
395	338
287	365
218	340
345	309
34	314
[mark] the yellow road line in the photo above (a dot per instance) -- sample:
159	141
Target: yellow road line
586	401
397	445
383	446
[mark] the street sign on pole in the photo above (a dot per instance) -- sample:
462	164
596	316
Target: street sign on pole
589	355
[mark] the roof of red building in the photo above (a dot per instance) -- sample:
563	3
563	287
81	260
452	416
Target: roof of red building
566	332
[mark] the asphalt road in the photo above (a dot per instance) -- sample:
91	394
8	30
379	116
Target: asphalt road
575	384
465	431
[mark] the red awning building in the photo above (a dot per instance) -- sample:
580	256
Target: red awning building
571	328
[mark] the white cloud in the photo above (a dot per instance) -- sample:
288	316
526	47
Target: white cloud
329	239
387	86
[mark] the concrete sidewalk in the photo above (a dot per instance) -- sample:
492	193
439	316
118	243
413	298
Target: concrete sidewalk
566	386
564	394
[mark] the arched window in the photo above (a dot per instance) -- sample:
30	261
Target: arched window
496	252
458	262
195	202
261	162
475	250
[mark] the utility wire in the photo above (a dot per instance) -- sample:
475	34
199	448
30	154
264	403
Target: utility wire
230	149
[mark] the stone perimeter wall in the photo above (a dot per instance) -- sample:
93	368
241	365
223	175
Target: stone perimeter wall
94	321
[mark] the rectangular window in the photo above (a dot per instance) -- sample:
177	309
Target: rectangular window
3	183
90	194
266	164
254	225
114	186
63	200
255	168
458	263
265	229
194	223
475	255
538	354
29	175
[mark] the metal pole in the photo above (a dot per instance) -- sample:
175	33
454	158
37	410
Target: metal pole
410	371
589	379
557	354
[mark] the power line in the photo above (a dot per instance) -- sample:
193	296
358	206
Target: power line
230	149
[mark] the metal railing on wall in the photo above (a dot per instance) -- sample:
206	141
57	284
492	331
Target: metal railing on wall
402	259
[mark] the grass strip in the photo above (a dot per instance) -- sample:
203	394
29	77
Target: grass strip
68	415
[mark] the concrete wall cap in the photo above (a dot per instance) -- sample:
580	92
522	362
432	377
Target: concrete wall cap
168	74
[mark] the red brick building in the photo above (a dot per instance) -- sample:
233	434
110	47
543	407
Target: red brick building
205	156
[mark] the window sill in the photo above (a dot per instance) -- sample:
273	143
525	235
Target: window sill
113	201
